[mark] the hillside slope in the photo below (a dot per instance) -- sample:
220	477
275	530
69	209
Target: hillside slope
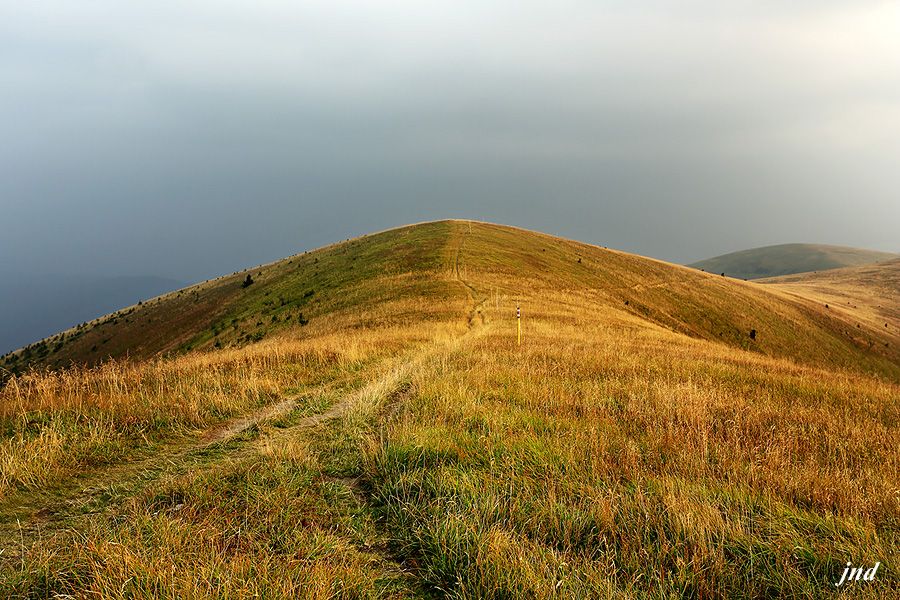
403	443
328	287
865	298
787	259
329	284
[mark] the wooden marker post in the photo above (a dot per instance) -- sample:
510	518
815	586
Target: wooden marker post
518	325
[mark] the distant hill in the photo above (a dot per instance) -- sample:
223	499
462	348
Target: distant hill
787	259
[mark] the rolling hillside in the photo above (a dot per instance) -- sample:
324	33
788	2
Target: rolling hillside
788	259
361	421
866	295
328	288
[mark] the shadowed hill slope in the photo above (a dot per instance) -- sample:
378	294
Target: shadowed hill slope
787	259
338	286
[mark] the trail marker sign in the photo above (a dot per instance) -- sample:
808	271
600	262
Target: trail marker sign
518	325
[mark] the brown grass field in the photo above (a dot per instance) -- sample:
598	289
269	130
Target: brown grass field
361	423
866	294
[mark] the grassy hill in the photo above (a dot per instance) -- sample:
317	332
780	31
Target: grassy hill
339	286
285	294
787	259
396	441
865	295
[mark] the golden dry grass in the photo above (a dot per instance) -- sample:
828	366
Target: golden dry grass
864	298
57	423
624	450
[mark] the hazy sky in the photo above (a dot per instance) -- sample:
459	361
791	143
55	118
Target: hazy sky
191	138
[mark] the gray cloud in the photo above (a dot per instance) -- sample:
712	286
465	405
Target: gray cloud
190	140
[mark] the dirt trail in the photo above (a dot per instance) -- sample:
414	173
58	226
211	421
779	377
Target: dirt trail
477	303
223	433
25	510
30	515
26	513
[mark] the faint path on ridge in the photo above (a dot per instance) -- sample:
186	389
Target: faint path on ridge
475	310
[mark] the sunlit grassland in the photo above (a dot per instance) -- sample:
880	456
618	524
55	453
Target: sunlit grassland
638	442
607	455
856	295
267	518
615	463
266	525
593	285
58	424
